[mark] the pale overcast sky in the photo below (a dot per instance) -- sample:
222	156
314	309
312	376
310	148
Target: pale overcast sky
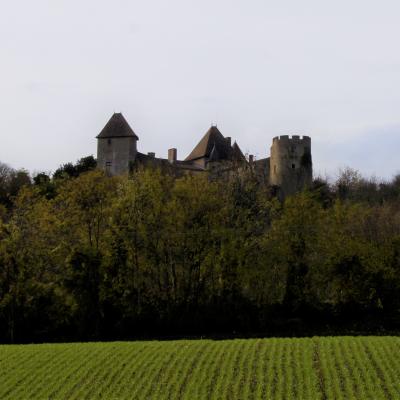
257	68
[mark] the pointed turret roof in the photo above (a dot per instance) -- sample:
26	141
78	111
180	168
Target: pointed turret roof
117	126
237	154
212	138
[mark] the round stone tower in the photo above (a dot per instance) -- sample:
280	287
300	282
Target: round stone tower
291	164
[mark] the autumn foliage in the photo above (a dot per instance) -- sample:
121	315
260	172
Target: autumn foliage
87	257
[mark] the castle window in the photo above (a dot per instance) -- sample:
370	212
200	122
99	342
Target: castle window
293	166
274	169
108	164
109	141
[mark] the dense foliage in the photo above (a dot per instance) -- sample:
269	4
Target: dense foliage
339	368
85	256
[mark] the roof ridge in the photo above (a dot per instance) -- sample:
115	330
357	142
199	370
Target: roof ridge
213	137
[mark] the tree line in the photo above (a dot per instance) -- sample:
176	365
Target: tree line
87	257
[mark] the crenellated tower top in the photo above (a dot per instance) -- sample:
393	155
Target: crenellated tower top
291	163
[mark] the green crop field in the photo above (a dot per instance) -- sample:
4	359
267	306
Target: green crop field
315	368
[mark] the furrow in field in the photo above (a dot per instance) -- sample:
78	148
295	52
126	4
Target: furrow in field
352	374
234	369
334	379
199	367
339	370
94	382
331	383
218	388
204	381
241	376
23	377
296	371
277	384
80	381
156	373
167	381
185	376
60	374
261	362
12	356
371	380
287	370
390	347
308	378
41	379
250	389
132	358
86	359
388	377
138	374
368	379
271	369
135	386
339	367
118	367
16	372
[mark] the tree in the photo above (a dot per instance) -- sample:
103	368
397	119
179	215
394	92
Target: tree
70	170
11	182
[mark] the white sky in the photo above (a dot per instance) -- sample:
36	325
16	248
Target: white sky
258	68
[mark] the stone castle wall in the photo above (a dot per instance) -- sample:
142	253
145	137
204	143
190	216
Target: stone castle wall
114	155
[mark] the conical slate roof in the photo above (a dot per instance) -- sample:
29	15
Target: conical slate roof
213	137
117	126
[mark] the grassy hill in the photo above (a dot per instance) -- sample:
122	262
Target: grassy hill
315	368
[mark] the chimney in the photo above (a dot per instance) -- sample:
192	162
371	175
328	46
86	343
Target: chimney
228	140
172	153
251	159
151	154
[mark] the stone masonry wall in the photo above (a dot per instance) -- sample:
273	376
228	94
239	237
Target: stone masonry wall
115	154
291	164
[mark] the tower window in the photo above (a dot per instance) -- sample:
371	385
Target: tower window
274	169
293	166
108	164
109	141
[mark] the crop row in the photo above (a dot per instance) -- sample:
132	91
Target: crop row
311	368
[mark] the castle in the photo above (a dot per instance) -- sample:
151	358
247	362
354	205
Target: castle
289	168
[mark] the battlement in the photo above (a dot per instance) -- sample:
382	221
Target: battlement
292	139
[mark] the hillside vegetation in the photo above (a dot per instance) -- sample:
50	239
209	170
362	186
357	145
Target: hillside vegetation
319	368
88	257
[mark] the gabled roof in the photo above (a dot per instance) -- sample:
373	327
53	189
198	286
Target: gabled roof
117	126
237	154
213	137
